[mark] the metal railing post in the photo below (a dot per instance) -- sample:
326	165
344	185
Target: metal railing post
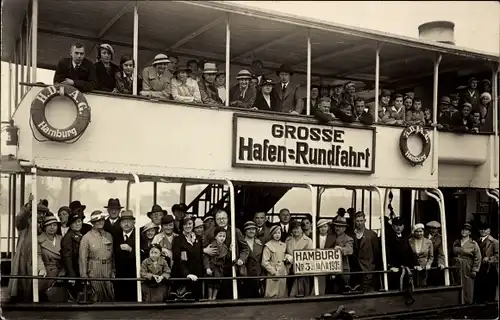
314	203
135	47
233	235
382	233
435	139
377	82
34	232
309	52
137	237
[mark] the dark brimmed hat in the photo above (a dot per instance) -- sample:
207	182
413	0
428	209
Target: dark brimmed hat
397	221
75	205
445	100
385	93
483	226
64	208
42	208
114	203
267	82
186	69
127	214
166	219
467	226
156	208
341	211
219	229
340	221
75	216
284	68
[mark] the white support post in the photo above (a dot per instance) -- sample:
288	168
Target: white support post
29	49
137	237
136	47
308	99
233	235
412	210
16	77
444	234
34	40
314	209
9	93
494	91
34	232
127	197
377	82
382	234
228	57
434	115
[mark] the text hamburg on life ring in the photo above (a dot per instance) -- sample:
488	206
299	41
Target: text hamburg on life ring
45	128
426	144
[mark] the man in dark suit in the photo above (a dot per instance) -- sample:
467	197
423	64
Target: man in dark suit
240	245
263	233
112	223
124	250
284	224
399	253
366	255
471	93
243	94
287	94
76	71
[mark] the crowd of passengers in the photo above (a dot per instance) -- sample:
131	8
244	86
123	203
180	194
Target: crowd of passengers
467	111
179	245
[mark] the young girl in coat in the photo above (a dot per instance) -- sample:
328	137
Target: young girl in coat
156	270
214	265
273	260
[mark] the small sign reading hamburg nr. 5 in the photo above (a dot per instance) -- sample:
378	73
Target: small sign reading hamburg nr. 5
273	143
317	261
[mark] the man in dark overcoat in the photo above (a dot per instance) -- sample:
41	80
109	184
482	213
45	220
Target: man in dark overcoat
112	223
436	277
486	282
252	288
124	249
286	93
263	231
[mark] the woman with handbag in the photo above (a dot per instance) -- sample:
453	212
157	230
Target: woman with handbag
49	248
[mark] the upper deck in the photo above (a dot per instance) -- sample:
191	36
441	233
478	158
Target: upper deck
130	134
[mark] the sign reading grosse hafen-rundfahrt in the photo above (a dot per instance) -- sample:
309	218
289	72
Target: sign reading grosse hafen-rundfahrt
275	143
317	261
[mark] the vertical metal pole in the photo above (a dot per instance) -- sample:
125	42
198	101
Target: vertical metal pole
155	192
382	234
137	237
183	195
71	182
377	82
494	91
22	188
412	207
363	200
28	48
16	77
308	99
371	210
34	232
434	114
34	41
13	213
135	47
10	220
314	209
127	198
228	57
9	93
23	60
233	232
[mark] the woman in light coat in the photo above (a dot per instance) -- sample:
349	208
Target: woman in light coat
49	253
298	241
273	260
467	258
423	254
96	258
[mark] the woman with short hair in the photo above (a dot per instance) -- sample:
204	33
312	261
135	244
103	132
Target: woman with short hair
125	77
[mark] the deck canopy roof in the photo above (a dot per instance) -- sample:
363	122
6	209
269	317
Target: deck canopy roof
197	29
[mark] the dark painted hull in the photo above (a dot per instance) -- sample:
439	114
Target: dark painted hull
365	305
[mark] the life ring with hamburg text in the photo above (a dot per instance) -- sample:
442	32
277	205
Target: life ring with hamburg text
426	144
73	131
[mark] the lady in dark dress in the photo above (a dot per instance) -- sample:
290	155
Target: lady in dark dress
187	252
105	68
264	100
70	246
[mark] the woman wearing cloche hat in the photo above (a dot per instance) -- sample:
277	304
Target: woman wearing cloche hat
156	78
243	94
96	257
105	68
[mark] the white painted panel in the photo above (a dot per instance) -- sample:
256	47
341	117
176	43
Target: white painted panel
175	140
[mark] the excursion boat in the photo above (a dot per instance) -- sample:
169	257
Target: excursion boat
249	159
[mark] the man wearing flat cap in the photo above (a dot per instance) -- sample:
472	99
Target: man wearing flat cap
471	93
243	94
486	282
436	277
345	244
287	94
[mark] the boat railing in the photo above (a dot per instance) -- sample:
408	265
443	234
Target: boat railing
222	107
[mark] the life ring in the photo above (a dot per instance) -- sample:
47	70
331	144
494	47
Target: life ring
74	130
426	144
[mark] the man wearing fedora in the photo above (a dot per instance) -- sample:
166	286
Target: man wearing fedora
124	249
76	71
399	253
243	94
156	78
344	244
208	91
111	224
286	93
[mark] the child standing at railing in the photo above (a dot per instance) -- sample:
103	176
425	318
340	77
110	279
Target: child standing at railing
214	265
156	270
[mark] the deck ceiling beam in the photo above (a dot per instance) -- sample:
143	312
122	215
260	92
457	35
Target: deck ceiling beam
266	45
111	22
419	76
197	32
368	67
336	54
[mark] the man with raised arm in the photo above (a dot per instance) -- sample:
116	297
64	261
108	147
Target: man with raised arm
76	71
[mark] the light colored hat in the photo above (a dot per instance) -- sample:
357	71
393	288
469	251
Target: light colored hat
250	225
97	215
210	67
244	74
161	58
322	222
274	229
127	214
487	95
198	222
467	104
433	224
149	226
107	47
418	226
49	220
